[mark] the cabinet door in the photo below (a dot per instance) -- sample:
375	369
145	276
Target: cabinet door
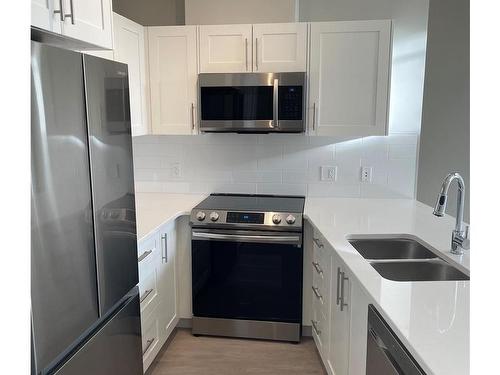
349	77
90	21
338	359
279	47
173	79
225	48
129	48
168	281
43	16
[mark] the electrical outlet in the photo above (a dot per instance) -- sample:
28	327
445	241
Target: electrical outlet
328	173
175	169
366	174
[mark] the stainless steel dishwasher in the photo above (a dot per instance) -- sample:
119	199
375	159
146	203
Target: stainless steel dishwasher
385	353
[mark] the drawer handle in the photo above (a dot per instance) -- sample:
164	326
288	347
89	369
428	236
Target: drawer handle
318	242
342	291
315	327
317	268
146	294
148	345
317	293
164	255
338	285
144	255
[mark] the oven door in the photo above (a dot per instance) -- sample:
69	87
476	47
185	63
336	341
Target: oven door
247	275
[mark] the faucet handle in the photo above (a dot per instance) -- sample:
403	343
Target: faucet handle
466	242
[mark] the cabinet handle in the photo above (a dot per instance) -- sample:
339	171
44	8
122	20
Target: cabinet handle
317	293
317	242
144	255
342	291
164	255
192	116
338	285
60	11
315	327
256	58
72	14
246	54
314	116
317	267
148	345
145	295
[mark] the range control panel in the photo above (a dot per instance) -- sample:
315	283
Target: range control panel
240	218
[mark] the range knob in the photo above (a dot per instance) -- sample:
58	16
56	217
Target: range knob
200	215
290	219
214	216
276	219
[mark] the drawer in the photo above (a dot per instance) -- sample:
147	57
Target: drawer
321	301
150	337
148	291
148	253
320	328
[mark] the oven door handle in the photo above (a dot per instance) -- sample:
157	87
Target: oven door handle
294	240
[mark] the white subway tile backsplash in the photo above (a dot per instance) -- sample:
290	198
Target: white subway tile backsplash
275	164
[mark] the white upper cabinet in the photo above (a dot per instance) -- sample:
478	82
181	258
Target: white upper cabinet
90	21
85	20
225	48
129	48
173	79
349	77
279	47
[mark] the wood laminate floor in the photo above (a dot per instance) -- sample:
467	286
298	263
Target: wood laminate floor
189	355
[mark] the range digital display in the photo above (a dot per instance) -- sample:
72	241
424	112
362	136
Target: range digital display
245	217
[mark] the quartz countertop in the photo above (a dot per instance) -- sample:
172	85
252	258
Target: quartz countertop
430	318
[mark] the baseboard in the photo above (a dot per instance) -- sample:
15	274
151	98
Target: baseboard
188	323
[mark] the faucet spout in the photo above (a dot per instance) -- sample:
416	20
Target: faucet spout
459	240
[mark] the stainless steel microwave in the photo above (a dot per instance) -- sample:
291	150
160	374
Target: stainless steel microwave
252	102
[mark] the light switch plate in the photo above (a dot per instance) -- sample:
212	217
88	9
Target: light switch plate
328	173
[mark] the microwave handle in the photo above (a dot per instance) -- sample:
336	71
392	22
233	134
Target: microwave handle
276	123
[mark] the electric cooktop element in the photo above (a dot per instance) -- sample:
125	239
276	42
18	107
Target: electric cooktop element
270	212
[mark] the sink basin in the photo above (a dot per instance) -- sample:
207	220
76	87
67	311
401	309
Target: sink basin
431	270
391	248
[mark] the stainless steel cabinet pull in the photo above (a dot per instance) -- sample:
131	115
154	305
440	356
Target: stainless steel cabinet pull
60	11
317	267
317	293
315	326
246	54
70	15
338	285
317	242
164	255
314	116
256	58
148	345
342	292
144	255
192	116
146	294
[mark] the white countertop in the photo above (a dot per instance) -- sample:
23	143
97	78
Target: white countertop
156	209
431	318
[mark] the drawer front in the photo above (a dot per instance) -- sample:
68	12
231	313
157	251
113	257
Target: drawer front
320	329
148	292
150	338
148	254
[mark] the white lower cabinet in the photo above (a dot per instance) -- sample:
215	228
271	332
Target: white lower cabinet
158	289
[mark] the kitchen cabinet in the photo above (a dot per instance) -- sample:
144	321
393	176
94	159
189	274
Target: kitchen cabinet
130	48
279	47
85	20
349	77
225	48
173	79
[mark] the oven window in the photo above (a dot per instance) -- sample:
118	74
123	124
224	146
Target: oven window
247	281
237	103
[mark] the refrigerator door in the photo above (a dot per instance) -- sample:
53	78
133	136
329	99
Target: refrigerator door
64	298
115	349
112	175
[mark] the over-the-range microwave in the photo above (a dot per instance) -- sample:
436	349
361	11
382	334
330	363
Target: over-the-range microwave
252	102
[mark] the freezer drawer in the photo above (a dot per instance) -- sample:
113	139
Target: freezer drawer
115	349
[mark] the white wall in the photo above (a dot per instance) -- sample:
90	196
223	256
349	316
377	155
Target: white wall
444	143
275	164
206	12
151	12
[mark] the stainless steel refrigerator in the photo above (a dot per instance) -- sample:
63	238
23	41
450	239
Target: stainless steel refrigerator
85	313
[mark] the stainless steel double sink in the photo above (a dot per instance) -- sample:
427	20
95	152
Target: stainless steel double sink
405	259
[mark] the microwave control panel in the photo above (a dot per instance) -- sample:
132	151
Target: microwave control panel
290	102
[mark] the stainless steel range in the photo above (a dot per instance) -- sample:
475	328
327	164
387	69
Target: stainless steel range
247	266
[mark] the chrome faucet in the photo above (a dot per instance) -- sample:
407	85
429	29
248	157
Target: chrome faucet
460	235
